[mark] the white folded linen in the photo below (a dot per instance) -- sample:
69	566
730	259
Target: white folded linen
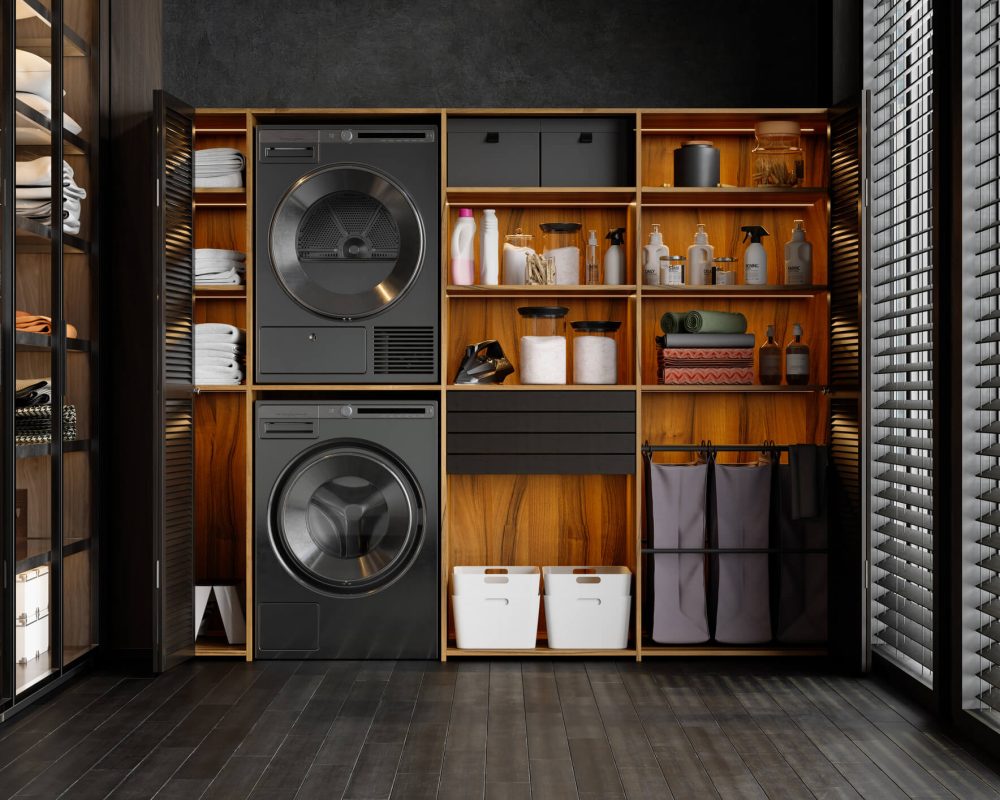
231	181
45	192
216	332
217	272
43	107
38	172
204	360
225	348
211	155
208	253
33	74
211	376
43	208
218	280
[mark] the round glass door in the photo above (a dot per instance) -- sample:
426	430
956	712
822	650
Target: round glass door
346	241
347	518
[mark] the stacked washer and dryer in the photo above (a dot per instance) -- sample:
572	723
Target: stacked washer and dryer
346	487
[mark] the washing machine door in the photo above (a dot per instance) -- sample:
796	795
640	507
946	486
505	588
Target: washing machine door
347	518
346	241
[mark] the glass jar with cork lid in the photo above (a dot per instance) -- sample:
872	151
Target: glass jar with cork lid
777	159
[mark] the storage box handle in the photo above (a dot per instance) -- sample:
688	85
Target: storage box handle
497	570
584	571
496	579
501	600
586	138
588	579
591	601
492	137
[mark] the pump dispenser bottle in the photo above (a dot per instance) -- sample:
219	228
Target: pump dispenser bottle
614	258
798	257
797	359
755	257
593	268
700	257
769	360
651	256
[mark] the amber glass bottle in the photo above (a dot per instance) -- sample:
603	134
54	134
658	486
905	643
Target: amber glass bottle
770	360
797	359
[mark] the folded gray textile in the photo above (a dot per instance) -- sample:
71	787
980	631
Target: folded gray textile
704	340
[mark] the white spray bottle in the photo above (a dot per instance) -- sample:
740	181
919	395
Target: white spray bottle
755	257
614	258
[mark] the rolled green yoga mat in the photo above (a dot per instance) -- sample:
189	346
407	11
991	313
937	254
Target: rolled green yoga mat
673	321
715	322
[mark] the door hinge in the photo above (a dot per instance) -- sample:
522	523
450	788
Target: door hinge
157	573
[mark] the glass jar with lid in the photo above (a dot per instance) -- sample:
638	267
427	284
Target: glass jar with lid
542	344
724	271
777	158
516	247
595	351
561	242
672	270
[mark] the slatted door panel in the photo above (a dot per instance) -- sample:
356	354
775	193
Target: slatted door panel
901	310
176	548
984	528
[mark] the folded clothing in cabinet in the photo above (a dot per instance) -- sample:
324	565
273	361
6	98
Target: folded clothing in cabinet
33	86
678	503
32	392
705	322
33	193
214	267
33	424
741	520
31	134
716	366
218	354
38	323
218	168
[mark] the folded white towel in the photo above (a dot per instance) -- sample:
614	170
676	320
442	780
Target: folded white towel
225	348
217	272
207	359
217	327
38	172
211	376
45	192
209	253
43	208
231	181
212	154
33	74
218	280
43	107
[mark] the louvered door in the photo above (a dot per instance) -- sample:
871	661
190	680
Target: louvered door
175	565
902	316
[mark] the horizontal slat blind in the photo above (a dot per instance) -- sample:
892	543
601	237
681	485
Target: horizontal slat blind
984	527
900	310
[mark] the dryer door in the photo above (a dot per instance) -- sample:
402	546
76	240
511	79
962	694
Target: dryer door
347	518
346	241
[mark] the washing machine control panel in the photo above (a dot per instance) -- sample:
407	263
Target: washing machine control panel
402	410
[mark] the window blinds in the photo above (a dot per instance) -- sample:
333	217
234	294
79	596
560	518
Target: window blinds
900	313
986	489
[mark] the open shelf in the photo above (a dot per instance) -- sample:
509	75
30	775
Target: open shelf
33	672
540	387
217	292
733	196
755	388
42	342
540	652
347	388
215	649
32	236
34	34
539	195
220	198
38	559
523	290
27	117
738	292
752	650
237	389
40	450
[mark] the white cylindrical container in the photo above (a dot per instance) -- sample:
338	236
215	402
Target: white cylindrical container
699	261
489	249
798	257
651	255
516	247
672	269
542	351
463	266
595	352
561	243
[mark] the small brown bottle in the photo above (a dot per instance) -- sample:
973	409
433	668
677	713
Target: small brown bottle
770	360
797	359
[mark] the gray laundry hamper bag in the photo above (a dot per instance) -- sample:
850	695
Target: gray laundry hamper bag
678	502
742	589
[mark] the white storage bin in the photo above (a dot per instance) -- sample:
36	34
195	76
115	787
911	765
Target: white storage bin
31	639
588	608
496	581
31	593
496	608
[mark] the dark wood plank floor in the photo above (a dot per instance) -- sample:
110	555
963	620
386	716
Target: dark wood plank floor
498	731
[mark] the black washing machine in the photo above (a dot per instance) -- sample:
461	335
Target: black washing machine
347	267
346	529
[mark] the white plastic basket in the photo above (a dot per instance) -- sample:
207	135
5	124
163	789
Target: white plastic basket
496	581
496	608
588	608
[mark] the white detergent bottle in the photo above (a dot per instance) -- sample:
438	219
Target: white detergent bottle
798	257
755	257
614	258
463	267
700	257
489	249
651	257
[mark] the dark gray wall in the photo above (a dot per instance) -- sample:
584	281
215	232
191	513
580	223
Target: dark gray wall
377	53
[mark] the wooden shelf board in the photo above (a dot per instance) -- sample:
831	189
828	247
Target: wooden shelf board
41	450
33	237
42	342
539	387
220	650
27	117
215	292
540	195
34	34
220	131
755	388
540	652
519	290
347	387
220	198
732	650
739	292
733	196
239	389
33	672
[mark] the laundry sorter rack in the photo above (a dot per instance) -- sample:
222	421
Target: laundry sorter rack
776	550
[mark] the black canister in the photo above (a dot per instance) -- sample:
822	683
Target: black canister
696	164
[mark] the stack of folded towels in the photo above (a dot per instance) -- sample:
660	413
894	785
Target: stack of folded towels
704	347
33	84
38	323
218	168
33	193
218	354
213	267
33	413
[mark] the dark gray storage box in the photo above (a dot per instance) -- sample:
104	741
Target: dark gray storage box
493	151
585	151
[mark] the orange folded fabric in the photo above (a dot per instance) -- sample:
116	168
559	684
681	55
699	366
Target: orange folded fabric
38	323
